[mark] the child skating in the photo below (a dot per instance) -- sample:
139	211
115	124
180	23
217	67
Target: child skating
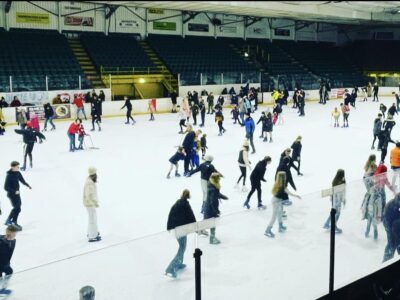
179	155
336	116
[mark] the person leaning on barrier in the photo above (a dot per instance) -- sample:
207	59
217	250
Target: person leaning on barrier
181	213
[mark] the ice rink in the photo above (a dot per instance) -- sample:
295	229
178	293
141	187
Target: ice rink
135	199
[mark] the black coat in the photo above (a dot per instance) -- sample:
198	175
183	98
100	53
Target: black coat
6	251
296	146
30	136
3	103
285	164
187	143
11	184
180	214
176	157
48	110
392	110
258	173
211	207
173	97
391	212
206	169
96	108
127	104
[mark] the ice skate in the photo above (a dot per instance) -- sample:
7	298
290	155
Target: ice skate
19	227
4	293
244	189
270	140
261	206
372	148
265	139
219	134
96	239
203	232
168	176
177	174
214	241
246	204
287	202
170	274
338	230
375	234
8	222
127	123
282	228
181	266
269	233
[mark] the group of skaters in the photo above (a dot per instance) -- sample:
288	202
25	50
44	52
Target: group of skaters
374	207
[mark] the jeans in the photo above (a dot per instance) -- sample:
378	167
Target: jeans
49	119
81	109
204	190
390	246
16	204
4	280
72	146
277	211
178	259
93	230
250	137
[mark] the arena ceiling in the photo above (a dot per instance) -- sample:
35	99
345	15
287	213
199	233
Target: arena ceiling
343	12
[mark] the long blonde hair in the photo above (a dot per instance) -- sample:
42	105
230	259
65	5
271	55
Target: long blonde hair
371	160
280	182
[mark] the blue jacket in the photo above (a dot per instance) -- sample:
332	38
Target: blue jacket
250	126
391	212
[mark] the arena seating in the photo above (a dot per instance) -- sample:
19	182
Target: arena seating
193	55
115	51
31	55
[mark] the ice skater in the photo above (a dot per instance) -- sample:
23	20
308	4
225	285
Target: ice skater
91	202
285	164
195	112
377	130
203	143
179	155
296	154
194	155
7	247
235	115
392	110
250	127
211	207
262	119
255	178
49	116
268	127
181	213
375	92
202	109
11	185
345	112
95	117
151	109
30	137
279	193
336	115
391	222
219	119
383	108
128	106
81	135
244	163
182	119
72	130
80	108
338	198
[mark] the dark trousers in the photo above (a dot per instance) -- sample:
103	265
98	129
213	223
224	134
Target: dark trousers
243	175
250	137
383	154
182	123
373	142
49	119
392	242
6	270
194	119
203	116
221	127
28	148
16	204
375	96
298	165
97	120
186	161
128	116
255	185
210	107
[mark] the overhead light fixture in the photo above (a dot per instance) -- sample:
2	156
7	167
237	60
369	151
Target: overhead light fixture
141	80
246	54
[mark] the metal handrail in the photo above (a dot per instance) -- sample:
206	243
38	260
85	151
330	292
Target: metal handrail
131	70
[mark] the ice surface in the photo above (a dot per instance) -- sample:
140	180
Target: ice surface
135	198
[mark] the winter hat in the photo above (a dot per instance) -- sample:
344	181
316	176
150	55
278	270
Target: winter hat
209	158
92	171
29	124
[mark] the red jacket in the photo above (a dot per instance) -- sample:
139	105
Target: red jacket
81	131
73	128
380	177
78	102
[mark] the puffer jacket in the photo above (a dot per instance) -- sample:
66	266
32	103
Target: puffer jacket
90	198
211	208
377	126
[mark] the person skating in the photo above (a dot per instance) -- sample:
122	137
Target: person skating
219	119
391	222
7	247
388	125
95	117
194	154
21	117
345	112
397	100
78	102
336	116
279	193
181	213
302	104
182	119
179	155
383	108
296	154
277	111
203	143
72	130
244	163
30	137
151	109
235	115
393	110
11	185
91	202
369	170
377	130
384	139
173	96
187	145
250	127
49	116
128	106
211	207
262	119
210	102
81	135
206	169
375	91
195	112
255	178
338	198
202	109
268	127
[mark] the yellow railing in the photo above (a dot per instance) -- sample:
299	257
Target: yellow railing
132	70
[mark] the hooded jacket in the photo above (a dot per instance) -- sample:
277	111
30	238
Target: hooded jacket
180	214
211	208
90	198
30	136
259	171
206	169
13	178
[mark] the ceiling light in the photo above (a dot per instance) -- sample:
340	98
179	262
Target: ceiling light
141	80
